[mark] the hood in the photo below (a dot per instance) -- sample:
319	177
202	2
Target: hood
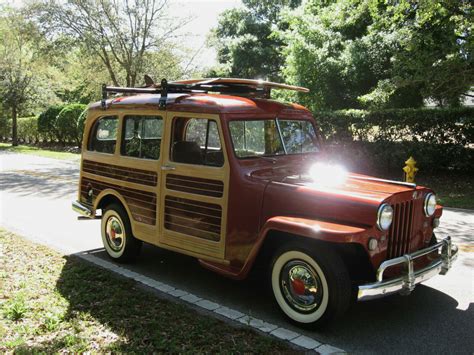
353	201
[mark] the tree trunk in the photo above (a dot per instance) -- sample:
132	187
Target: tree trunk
14	126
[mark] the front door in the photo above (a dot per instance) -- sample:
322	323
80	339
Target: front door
194	185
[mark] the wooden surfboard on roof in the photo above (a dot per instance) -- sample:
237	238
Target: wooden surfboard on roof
229	86
242	82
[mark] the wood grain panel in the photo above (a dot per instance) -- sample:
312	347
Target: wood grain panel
199	219
142	204
137	176
194	185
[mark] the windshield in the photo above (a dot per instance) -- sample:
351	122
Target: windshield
272	137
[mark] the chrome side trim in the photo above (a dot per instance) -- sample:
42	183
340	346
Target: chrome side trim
81	209
394	182
406	283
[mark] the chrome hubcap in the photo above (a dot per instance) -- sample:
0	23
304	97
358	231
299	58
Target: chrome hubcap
301	286
115	233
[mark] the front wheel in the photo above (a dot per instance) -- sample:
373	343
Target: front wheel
311	286
117	236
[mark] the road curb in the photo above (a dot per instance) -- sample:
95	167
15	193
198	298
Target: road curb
232	315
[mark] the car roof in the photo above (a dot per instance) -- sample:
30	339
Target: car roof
205	103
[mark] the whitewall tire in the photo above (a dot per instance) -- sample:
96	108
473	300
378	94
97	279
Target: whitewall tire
310	286
117	236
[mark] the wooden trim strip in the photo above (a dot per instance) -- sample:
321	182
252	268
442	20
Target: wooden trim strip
201	214
143	177
194	203
192	231
194	179
193	220
190	219
135	192
197	186
193	190
142	205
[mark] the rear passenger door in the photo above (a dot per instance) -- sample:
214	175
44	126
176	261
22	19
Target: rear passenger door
195	175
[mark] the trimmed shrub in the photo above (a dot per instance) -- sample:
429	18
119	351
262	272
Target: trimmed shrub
5	128
67	122
47	122
381	141
28	129
437	126
81	122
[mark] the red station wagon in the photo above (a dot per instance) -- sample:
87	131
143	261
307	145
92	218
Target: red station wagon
215	169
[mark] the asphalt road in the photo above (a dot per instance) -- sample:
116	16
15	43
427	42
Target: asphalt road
438	317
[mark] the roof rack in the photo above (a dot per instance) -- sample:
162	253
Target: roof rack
238	87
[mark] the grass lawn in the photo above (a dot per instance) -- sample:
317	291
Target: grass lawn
38	151
453	190
55	303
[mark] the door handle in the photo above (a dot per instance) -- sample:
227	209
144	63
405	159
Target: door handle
168	168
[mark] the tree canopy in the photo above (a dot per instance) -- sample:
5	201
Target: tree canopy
353	53
21	65
124	35
245	41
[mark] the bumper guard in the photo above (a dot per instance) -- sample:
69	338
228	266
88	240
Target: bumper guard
406	283
82	209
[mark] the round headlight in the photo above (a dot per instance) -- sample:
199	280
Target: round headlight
430	204
384	217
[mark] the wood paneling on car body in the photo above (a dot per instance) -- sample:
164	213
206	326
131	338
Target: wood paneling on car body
138	176
194	185
191	217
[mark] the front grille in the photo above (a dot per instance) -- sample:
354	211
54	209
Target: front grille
400	230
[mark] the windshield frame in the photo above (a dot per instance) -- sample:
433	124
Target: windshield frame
277	124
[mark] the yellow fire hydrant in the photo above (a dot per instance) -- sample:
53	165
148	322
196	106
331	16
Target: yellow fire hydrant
410	170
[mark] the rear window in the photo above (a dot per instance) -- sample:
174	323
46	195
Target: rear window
103	137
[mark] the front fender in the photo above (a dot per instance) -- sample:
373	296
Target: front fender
314	229
307	228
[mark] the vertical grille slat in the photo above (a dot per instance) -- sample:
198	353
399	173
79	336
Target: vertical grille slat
401	236
409	227
401	230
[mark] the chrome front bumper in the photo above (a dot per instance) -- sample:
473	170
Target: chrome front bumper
406	283
81	209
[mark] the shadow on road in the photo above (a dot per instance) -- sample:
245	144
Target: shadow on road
426	321
57	183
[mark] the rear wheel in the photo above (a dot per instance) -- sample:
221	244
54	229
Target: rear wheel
117	236
311	286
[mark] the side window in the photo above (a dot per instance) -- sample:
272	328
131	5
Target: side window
142	137
196	141
103	136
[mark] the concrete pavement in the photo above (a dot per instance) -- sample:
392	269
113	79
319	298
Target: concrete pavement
36	193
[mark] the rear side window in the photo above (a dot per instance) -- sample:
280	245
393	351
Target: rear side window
196	141
104	135
142	137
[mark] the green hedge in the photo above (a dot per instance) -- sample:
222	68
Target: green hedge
381	141
47	123
68	122
28	130
5	128
62	124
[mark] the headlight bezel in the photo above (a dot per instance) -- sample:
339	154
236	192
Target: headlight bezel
426	204
380	211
